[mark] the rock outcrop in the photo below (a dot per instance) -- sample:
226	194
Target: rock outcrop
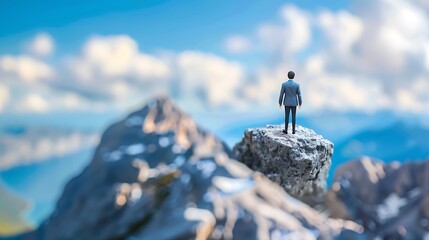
158	175
298	162
391	201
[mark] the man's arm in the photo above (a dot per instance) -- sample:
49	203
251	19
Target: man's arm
298	92
282	93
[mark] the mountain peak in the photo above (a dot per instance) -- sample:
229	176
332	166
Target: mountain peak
158	175
160	105
159	101
160	115
159	118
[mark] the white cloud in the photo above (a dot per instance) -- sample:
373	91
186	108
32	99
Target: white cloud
4	97
315	64
343	92
424	4
147	66
117	56
366	59
374	56
112	69
73	101
119	89
237	44
35	147
24	68
298	26
292	35
42	45
426	55
211	76
112	72
320	89
414	97
342	30
406	99
111	56
33	103
264	91
394	37
385	46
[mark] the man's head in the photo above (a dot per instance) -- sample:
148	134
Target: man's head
290	74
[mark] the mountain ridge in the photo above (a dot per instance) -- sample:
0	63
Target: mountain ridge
157	168
154	170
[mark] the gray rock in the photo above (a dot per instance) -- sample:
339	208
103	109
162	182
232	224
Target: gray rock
158	175
298	162
389	200
234	202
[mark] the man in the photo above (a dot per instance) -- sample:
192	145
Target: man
290	96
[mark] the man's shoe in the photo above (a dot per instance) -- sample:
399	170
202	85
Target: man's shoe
284	131
293	132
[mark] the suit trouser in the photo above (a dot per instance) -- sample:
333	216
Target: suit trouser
288	109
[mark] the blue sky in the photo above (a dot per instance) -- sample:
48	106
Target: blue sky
175	24
219	55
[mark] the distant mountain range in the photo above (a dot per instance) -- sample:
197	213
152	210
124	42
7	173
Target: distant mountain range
41	183
397	142
382	135
36	162
23	145
157	174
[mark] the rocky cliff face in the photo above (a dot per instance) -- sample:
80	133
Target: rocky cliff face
158	175
298	162
391	201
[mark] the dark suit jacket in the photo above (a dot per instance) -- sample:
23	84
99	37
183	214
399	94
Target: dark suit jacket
290	94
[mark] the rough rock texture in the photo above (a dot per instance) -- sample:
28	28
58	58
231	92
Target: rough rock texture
298	162
391	201
157	175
